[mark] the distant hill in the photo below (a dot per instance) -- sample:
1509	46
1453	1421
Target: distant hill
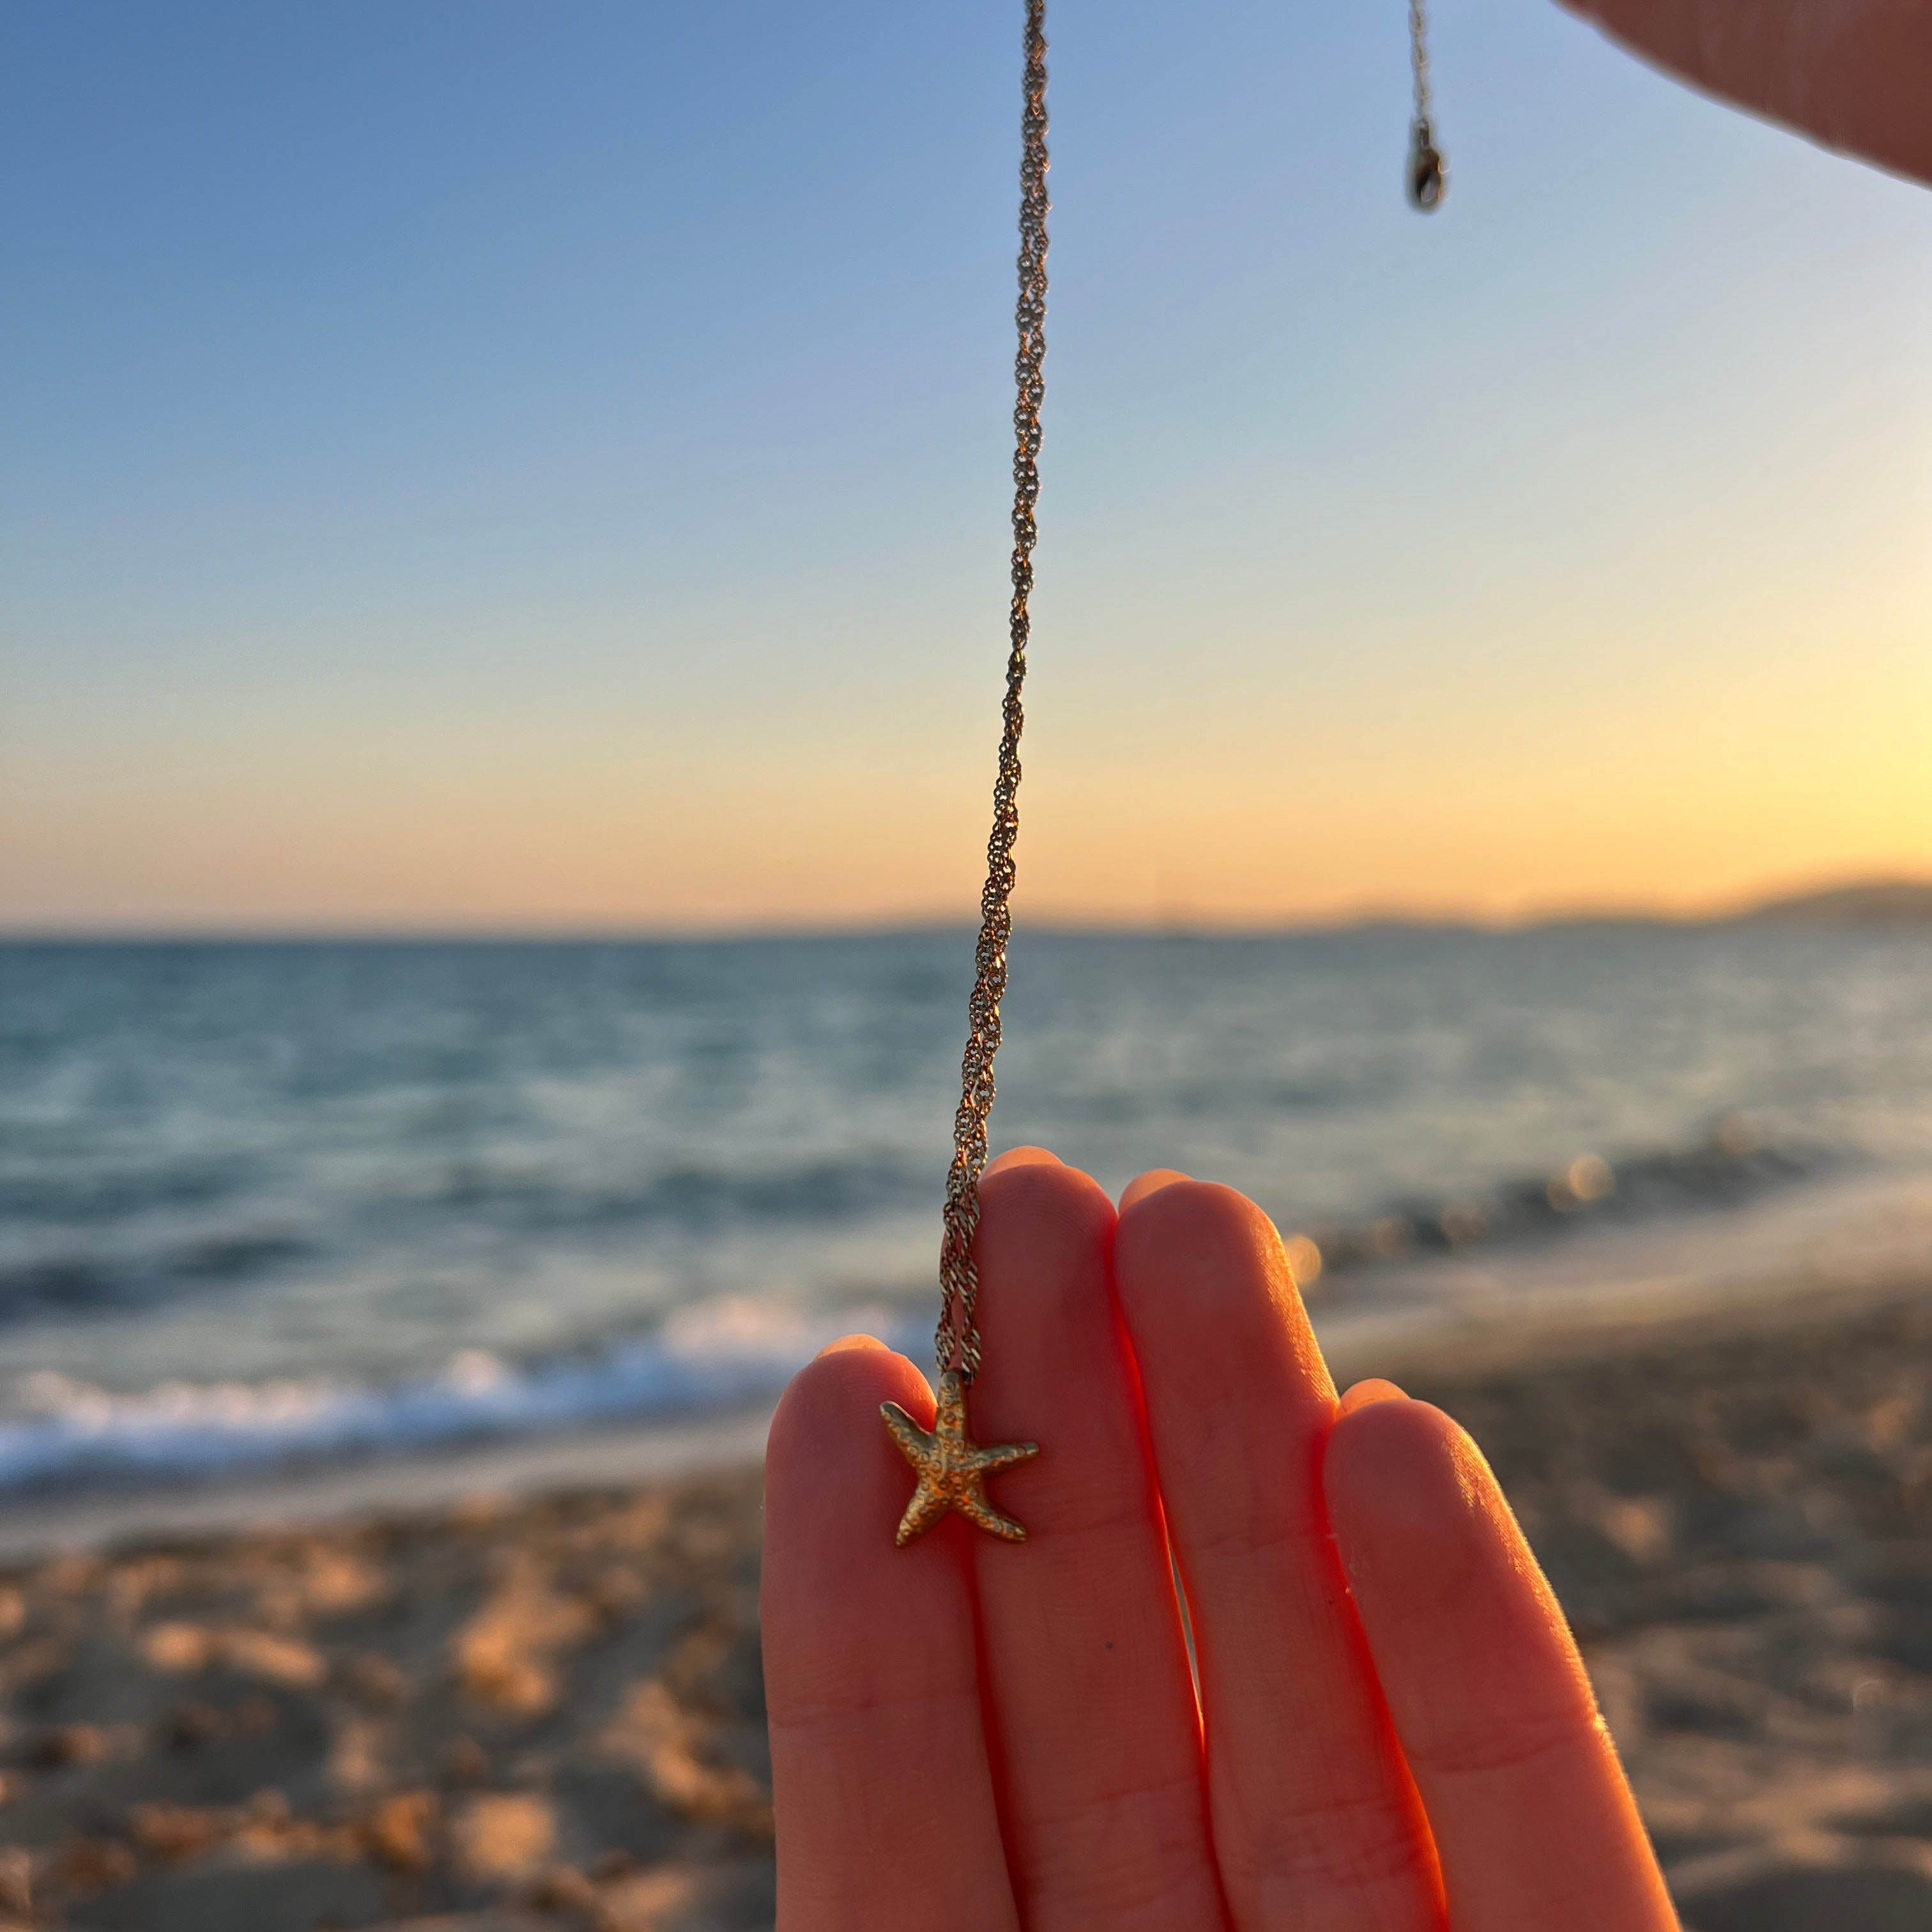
1876	902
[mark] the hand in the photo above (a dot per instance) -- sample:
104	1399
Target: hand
1394	1731
1855	74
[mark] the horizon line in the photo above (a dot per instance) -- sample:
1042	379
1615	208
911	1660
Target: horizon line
1359	920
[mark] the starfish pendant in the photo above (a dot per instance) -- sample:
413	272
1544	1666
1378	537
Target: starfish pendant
952	1470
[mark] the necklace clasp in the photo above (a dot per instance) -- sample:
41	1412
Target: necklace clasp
1428	179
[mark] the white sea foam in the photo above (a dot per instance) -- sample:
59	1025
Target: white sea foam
707	1356
1865	1232
250	1196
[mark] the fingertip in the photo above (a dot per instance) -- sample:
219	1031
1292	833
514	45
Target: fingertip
1387	1444
1023	1157
1210	1237
1043	1193
1151	1182
848	1342
1370	1389
1044	1236
837	1393
1409	1494
1196	1209
1428	1538
1201	1271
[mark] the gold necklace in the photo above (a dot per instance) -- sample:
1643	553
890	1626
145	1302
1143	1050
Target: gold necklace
951	1469
1428	178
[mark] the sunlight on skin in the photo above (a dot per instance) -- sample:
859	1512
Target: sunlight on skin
1151	1182
1372	1389
1491	1702
1021	1156
846	1343
1398	1732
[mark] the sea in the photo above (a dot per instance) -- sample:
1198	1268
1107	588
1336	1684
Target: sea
274	1203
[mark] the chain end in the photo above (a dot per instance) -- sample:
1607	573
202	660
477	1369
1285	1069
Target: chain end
1428	179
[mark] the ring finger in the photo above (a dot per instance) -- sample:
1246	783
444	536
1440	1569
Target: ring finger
1316	1820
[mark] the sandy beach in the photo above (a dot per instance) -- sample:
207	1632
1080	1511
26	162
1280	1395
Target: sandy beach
546	1712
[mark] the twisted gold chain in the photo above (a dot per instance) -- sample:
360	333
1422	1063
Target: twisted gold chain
1428	178
958	1340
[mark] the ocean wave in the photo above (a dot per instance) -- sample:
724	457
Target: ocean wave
72	1270
69	1189
691	1199
60	1429
708	1357
1736	1162
74	1282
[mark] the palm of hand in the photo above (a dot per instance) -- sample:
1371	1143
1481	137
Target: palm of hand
1393	1731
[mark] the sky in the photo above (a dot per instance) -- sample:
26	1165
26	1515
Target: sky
479	466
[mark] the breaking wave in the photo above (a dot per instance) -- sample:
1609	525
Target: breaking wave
707	1358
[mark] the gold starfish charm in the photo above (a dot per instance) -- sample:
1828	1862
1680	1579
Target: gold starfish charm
952	1472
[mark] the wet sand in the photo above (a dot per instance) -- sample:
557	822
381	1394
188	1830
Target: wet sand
546	1713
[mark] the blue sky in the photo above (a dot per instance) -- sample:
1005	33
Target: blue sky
488	464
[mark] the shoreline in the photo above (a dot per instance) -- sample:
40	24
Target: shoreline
493	1713
325	1494
1817	1255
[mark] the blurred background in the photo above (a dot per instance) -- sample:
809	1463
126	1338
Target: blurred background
505	552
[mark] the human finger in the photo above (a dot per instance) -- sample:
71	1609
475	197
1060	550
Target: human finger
1533	1821
883	1792
1151	1182
1851	74
1373	1388
1098	1740
1315	1820
1021	1156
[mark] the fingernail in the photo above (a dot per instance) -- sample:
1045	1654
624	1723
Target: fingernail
1374	1389
845	1342
1151	1182
1023	1156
